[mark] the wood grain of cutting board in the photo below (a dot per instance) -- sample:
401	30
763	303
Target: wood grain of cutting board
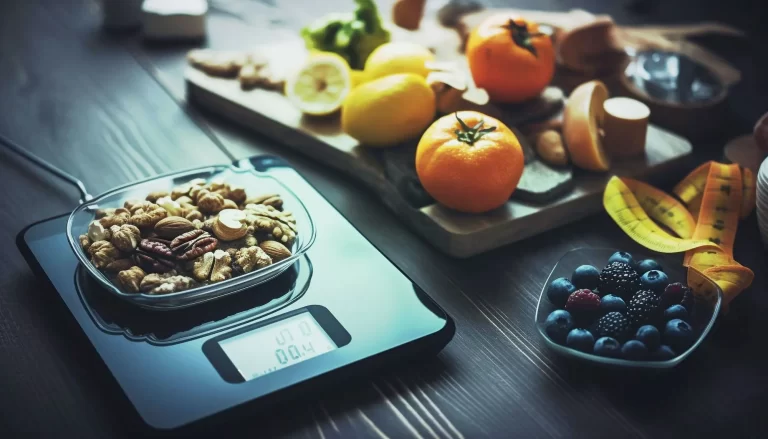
565	196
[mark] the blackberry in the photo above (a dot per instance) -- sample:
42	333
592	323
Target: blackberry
643	308
677	294
613	325
619	279
688	300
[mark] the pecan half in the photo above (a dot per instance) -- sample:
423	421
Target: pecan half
152	263
156	246
193	244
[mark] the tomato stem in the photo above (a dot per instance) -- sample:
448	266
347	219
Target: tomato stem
471	135
522	37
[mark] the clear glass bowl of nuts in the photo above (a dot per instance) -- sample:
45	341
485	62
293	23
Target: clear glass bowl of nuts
189	237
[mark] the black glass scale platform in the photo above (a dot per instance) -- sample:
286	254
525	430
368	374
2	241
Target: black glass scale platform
341	310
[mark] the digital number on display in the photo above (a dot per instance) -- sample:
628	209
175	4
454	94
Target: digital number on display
278	345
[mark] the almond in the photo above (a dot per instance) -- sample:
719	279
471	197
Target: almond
173	226
275	250
156	195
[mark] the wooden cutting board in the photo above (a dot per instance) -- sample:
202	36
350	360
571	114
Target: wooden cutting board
547	197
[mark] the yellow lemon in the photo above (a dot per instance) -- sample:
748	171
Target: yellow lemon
358	77
389	110
320	86
398	57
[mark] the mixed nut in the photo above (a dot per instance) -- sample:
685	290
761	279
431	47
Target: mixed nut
200	233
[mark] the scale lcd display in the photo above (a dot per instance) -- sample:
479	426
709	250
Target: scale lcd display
277	345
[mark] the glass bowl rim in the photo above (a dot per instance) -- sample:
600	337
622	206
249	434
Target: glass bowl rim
629	364
203	289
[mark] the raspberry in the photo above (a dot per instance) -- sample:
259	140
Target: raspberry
582	300
677	294
584	305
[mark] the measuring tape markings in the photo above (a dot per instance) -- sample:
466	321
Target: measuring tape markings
718	195
662	208
749	195
721	208
691	189
702	285
622	205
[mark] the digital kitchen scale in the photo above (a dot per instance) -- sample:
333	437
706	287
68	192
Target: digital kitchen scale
341	310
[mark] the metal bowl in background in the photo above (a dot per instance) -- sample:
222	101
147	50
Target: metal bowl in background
684	96
673	78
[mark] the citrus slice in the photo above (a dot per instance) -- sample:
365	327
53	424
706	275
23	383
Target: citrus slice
582	118
320	86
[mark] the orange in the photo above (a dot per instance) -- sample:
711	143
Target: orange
510	58
582	119
469	162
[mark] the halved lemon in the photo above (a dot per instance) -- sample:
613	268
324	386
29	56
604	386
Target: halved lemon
320	86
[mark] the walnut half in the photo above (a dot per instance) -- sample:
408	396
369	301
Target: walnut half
252	258
114	217
202	267
166	283
103	253
221	270
126	237
131	278
146	214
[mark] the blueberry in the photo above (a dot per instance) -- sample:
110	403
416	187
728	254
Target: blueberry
612	303
580	339
558	324
654	280
647	265
622	257
675	312
559	290
607	347
650	336
663	353
586	276
634	350
678	334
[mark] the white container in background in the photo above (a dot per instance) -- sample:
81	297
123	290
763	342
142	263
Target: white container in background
174	19
762	201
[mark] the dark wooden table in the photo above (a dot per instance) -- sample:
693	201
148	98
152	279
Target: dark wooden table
110	110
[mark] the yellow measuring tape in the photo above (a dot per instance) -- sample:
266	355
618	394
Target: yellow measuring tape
714	197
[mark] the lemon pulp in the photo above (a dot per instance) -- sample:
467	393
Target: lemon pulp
320	86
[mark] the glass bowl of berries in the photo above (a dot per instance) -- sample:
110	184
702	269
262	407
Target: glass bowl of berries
609	307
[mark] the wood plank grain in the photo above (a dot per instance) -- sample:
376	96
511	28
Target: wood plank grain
80	101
